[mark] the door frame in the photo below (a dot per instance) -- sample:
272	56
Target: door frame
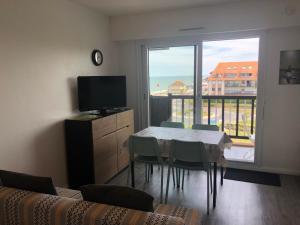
142	47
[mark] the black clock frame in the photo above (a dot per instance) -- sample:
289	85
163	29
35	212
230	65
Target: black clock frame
95	62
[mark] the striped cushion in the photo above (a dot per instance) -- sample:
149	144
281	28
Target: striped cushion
190	216
18	207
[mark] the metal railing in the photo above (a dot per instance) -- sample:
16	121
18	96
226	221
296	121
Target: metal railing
233	114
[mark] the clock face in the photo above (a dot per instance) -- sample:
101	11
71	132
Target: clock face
97	57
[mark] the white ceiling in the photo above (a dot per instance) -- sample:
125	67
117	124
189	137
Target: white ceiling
121	7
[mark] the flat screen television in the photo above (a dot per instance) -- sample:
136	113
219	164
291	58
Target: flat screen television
101	92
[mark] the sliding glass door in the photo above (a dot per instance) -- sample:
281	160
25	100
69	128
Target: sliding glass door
172	84
229	90
207	82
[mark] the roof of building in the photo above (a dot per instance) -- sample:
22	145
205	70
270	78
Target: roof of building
224	71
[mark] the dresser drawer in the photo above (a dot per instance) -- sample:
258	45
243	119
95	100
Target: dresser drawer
105	147
105	158
105	170
122	140
104	126
124	119
123	161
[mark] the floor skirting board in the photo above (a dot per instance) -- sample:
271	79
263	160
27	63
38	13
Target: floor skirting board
249	166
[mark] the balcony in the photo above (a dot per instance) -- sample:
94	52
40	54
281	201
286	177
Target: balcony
234	115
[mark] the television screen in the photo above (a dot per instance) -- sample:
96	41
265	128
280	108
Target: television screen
98	92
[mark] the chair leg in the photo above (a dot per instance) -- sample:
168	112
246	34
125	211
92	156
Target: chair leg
222	174
128	175
151	169
173	176
176	173
168	181
178	177
131	165
183	172
215	190
162	184
208	175
146	173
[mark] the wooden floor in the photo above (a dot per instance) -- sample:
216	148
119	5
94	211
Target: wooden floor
238	203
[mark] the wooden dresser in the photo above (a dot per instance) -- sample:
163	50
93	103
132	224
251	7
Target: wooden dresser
95	147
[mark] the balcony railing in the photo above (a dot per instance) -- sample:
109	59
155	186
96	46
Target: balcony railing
233	114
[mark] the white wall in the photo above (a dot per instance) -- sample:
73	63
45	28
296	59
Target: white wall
128	66
44	46
281	143
236	16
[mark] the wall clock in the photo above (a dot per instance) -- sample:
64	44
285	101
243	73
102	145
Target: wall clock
97	57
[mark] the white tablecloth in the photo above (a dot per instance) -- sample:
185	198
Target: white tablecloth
215	141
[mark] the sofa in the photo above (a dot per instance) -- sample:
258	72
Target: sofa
20	207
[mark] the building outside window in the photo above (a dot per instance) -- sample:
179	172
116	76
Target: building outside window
245	74
229	75
231	78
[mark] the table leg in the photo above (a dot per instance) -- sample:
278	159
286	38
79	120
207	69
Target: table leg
132	173
215	185
222	174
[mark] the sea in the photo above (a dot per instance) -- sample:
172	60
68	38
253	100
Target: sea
160	83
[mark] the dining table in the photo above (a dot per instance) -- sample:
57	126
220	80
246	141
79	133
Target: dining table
214	141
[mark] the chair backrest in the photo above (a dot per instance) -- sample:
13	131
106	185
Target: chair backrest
143	146
171	124
188	151
205	127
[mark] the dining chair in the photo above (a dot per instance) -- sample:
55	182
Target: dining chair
189	155
171	124
205	127
175	125
146	150
213	128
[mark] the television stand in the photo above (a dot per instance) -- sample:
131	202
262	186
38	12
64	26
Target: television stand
110	111
96	147
104	111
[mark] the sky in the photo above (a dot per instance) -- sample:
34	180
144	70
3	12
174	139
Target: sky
179	61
